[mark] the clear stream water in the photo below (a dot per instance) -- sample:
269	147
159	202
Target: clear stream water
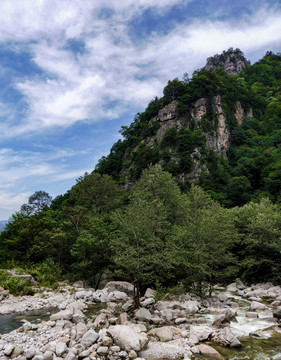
11	322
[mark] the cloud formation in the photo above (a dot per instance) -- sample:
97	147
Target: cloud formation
112	68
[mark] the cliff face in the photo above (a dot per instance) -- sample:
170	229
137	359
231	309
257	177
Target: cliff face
218	139
233	61
216	134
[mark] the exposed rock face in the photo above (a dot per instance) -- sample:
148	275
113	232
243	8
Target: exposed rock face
167	118
220	139
241	114
233	61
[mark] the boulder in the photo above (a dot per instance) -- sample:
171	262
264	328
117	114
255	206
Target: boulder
277	313
149	293
208	351
257	306
48	355
127	338
251	315
223	319
232	287
122	286
78	316
83	294
226	337
77	305
17	351
143	314
101	321
191	307
164	334
148	302
89	338
61	348
62	315
199	333
29	279
159	350
118	295
122	319
81	329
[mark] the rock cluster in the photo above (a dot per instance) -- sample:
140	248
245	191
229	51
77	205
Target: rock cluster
173	328
233	61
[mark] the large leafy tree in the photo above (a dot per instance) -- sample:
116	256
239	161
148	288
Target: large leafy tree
139	245
259	249
37	202
201	245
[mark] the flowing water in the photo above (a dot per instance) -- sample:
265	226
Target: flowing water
260	337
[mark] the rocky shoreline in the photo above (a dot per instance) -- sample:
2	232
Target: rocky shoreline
177	327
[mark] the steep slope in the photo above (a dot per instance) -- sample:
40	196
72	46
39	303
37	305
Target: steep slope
194	130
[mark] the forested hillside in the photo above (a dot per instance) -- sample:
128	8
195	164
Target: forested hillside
191	195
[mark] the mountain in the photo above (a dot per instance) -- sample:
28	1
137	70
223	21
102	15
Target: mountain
220	129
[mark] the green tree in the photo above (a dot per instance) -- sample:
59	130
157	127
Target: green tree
201	245
138	244
37	202
259	250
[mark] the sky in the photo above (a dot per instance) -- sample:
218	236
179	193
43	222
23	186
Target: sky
74	71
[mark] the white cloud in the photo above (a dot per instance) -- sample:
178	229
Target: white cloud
81	87
10	201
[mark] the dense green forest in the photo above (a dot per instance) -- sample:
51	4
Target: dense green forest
164	232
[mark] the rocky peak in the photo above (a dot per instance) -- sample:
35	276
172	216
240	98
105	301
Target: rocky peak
233	61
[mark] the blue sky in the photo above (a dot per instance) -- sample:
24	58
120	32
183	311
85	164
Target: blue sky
73	71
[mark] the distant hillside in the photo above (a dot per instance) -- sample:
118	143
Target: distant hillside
219	130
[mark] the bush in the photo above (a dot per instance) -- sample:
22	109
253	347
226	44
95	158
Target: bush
47	273
16	286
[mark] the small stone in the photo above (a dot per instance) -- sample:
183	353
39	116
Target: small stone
29	354
8	350
180	321
89	338
62	315
106	341
122	319
48	355
114	348
149	293
143	314
133	354
123	354
251	315
102	350
84	353
70	356
208	351
60	348
257	306
17	351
